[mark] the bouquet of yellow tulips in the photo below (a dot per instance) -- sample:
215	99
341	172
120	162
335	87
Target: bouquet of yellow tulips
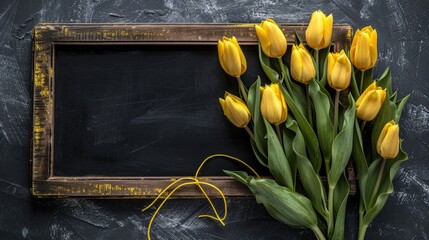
299	127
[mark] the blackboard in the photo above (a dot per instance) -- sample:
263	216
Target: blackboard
122	110
144	110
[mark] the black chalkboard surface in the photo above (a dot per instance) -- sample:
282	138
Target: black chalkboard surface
144	110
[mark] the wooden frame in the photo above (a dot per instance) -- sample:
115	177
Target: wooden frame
47	36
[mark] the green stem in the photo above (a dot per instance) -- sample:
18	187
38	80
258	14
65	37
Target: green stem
331	211
310	113
362	232
377	183
361	213
279	133
242	88
316	56
282	67
318	233
361	81
337	101
362	126
327	165
249	132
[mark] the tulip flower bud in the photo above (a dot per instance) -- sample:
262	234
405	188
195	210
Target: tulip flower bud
231	57
369	103
273	41
301	64
363	52
235	110
339	71
319	31
388	142
273	104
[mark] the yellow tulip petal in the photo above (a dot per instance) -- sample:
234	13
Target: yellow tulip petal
369	106
373	48
370	88
235	110
231	57
339	71
355	38
271	20
242	57
331	63
367	29
263	39
388	141
327	31
296	64
362	57
222	104
390	146
314	32
221	52
308	71
277	40
346	67
232	60
271	106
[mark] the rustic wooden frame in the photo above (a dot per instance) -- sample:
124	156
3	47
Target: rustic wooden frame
47	36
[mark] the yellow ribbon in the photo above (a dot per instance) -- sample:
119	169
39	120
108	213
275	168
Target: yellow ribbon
194	181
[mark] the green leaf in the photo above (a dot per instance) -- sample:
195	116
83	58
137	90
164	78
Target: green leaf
367	78
259	131
353	85
310	137
310	180
288	137
324	126
400	107
386	186
261	158
297	92
266	66
240	176
323	61
277	162
341	194
297	39
283	204
358	155
385	81
394	97
342	145
368	181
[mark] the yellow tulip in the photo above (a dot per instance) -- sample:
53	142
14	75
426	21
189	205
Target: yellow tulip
273	104
339	71
363	52
231	57
319	31
273	41
235	110
369	103
301	64
388	142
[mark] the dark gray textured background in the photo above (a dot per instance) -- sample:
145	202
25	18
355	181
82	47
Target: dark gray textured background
403	27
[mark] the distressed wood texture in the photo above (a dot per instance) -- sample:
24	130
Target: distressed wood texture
46	36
